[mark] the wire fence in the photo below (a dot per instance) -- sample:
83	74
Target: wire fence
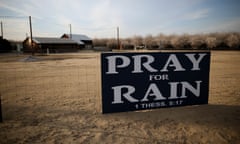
52	81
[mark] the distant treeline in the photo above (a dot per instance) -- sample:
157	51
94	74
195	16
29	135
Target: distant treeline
213	41
228	41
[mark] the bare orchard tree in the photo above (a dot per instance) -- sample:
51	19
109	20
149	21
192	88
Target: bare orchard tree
100	42
112	43
197	41
148	41
137	41
163	41
233	41
174	41
126	43
185	39
211	42
181	41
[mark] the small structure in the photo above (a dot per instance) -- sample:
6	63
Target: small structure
17	46
47	44
83	41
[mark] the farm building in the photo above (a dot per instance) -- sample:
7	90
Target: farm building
83	41
52	45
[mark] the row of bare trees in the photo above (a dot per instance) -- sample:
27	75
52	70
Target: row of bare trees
185	41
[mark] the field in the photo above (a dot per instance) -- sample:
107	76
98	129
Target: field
56	99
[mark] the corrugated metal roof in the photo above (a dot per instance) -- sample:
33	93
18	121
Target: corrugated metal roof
79	38
48	40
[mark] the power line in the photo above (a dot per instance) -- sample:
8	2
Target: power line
49	21
17	17
50	25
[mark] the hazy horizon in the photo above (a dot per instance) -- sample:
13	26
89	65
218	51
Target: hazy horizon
100	18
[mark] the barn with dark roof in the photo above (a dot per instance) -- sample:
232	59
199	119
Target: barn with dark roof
50	44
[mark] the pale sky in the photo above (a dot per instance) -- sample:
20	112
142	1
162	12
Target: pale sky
100	18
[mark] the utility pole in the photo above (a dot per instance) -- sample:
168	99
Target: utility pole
70	26
30	23
2	30
118	41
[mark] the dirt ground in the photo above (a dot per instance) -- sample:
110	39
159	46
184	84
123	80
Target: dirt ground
56	99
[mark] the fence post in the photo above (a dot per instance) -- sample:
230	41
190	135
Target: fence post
1	119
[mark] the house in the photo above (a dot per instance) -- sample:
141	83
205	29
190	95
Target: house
47	44
84	42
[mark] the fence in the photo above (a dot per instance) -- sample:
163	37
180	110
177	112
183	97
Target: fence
68	81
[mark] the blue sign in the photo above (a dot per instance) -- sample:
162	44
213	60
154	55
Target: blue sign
139	81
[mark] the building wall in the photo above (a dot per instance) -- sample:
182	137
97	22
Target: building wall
59	48
53	48
87	44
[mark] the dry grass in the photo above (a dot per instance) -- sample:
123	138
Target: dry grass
56	100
